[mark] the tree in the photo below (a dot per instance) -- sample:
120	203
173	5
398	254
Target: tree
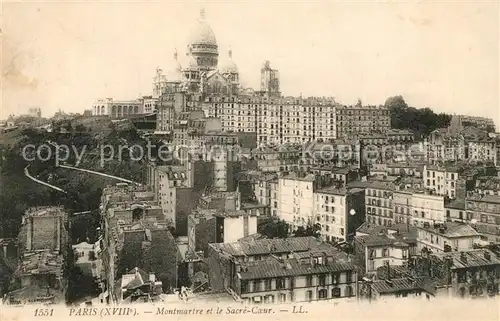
273	228
310	230
420	121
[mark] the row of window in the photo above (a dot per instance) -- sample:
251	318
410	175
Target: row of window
281	284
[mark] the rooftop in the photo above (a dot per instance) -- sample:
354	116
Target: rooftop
46	211
451	230
400	285
41	262
342	191
495	199
471	258
268	246
298	177
273	267
458	204
34	294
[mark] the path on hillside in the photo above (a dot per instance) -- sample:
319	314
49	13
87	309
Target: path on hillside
94	172
28	175
100	174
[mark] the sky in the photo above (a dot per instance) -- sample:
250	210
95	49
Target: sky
443	55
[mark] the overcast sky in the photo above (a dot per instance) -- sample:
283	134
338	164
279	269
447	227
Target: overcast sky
444	55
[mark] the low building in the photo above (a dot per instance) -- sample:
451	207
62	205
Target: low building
376	246
40	279
447	237
138	286
404	287
283	275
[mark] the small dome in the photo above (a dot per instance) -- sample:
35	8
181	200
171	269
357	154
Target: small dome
191	62
175	73
202	34
228	66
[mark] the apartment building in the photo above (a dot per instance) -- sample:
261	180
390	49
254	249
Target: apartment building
441	180
360	119
485	211
379	203
281	271
402	206
483	150
462	274
278	120
135	235
488	185
44	228
455	210
447	237
427	208
39	277
339	211
444	145
296	199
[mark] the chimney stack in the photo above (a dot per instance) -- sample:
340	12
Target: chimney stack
463	258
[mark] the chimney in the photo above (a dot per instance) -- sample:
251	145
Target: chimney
448	260
463	258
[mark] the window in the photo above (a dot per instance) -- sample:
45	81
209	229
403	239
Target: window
348	291
322	294
267	284
336	293
335	279
385	252
322	280
348	276
257	286
280	283
244	287
309	280
309	295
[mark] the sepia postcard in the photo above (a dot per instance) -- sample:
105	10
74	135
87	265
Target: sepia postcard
198	160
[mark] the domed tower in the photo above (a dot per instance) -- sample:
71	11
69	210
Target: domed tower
174	76
230	71
202	45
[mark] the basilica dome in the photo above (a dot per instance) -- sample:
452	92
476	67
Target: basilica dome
202	34
203	45
228	66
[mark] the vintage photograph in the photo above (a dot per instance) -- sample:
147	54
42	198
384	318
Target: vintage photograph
248	155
